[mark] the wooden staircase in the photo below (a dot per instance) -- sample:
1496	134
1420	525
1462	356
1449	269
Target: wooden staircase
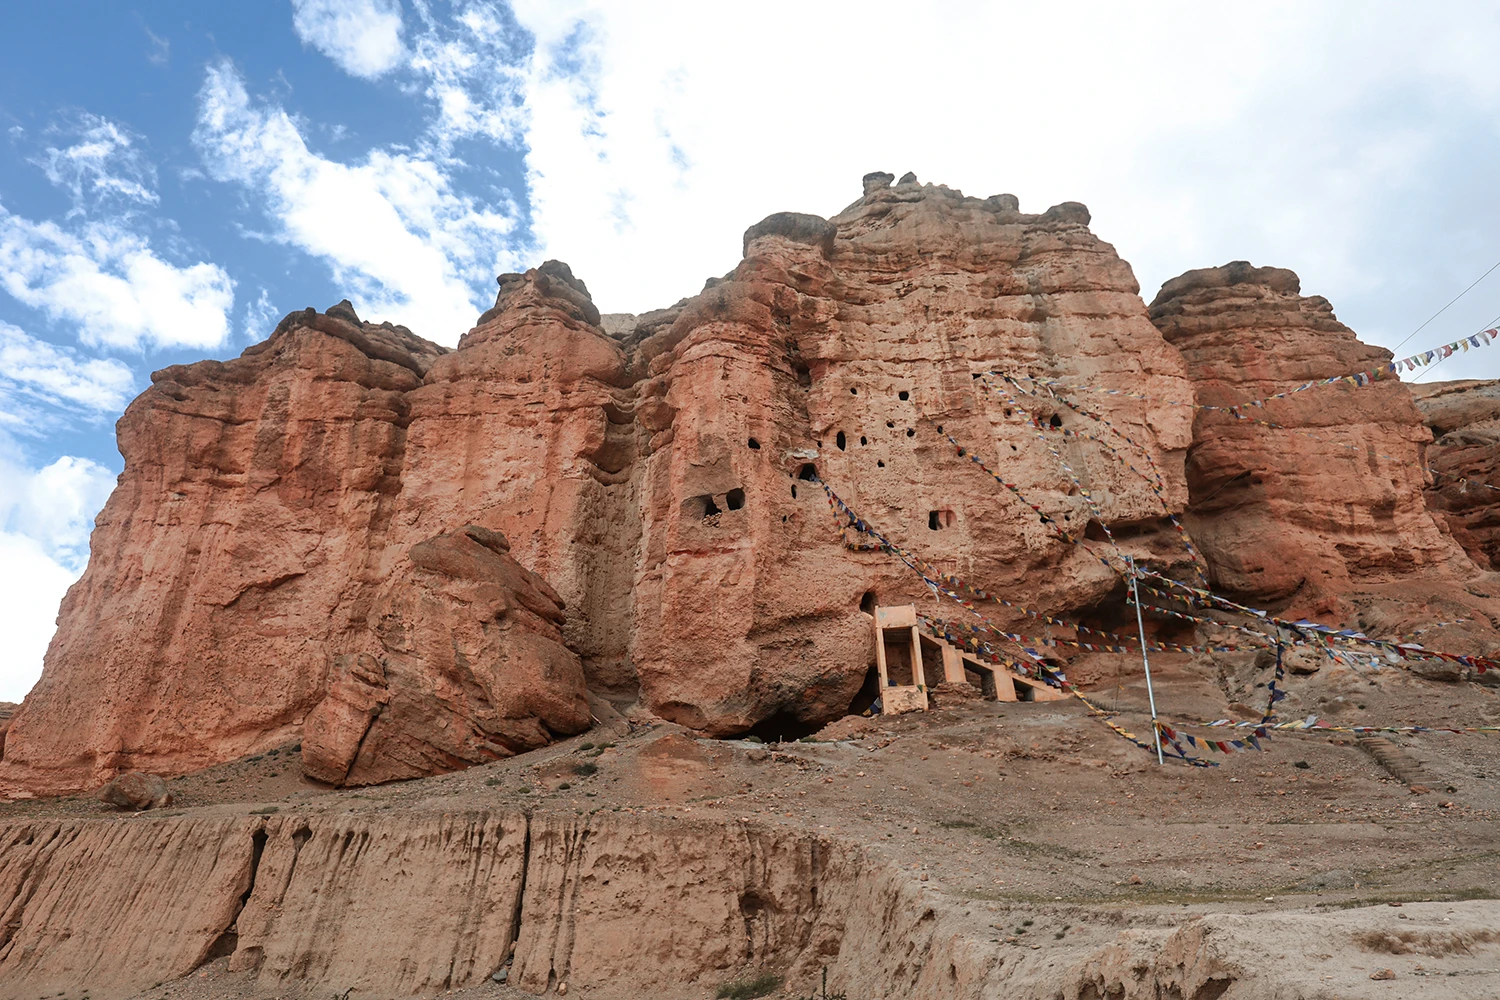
907	692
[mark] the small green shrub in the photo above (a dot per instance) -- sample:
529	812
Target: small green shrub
585	769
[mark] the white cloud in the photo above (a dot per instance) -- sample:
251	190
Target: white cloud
473	72
54	505
408	246
258	317
60	375
1343	141
102	163
110	283
46	515
362	36
31	588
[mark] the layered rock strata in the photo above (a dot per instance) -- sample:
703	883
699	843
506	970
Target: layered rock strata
1310	496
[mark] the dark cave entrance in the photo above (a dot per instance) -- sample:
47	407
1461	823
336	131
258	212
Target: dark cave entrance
783	727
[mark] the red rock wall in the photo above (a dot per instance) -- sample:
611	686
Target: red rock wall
754	613
238	567
1333	502
269	525
1464	460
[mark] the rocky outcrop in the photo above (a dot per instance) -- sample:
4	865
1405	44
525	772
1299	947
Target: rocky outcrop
1313	495
298	530
1464	460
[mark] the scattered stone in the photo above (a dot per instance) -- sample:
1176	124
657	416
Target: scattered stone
1383	974
501	975
1338	878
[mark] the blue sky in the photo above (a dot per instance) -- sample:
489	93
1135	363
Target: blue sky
174	177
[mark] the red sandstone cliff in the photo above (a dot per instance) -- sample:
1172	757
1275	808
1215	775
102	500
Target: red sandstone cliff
1314	498
418	559
1464	418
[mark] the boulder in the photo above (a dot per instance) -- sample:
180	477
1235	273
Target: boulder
136	790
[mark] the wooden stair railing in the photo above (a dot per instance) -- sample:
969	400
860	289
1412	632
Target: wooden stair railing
996	682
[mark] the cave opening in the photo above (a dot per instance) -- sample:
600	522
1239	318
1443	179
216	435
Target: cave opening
867	602
808	473
735	499
937	520
700	507
840	440
783	727
865	697
754	445
1056	421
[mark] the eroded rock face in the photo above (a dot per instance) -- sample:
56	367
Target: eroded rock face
232	561
1326	503
248	581
467	664
1464	418
305	538
837	348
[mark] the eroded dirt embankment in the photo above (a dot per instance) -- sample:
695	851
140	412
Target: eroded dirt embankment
421	903
612	905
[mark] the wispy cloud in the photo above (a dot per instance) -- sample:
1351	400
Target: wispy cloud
98	162
473	71
161	48
61	376
393	227
362	36
96	269
258	317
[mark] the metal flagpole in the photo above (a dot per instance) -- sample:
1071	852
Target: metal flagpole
1140	624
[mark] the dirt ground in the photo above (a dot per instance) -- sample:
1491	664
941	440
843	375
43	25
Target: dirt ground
1021	805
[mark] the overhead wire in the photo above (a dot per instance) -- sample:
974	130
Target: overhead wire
1455	298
